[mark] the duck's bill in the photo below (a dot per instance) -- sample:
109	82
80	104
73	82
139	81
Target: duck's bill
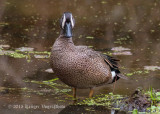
68	30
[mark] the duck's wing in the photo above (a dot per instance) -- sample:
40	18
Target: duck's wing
112	62
89	51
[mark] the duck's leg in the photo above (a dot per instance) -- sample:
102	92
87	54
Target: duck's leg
74	93
91	92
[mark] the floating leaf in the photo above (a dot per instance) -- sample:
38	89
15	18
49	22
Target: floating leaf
89	37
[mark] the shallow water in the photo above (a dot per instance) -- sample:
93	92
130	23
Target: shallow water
102	25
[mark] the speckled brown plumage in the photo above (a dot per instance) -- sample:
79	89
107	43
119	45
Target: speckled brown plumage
78	66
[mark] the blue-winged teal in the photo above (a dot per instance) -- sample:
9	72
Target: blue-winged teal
80	66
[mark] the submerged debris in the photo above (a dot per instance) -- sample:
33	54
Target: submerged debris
153	68
121	51
22	49
4	46
41	56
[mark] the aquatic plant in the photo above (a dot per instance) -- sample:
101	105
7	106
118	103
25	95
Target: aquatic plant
154	96
103	100
140	101
51	83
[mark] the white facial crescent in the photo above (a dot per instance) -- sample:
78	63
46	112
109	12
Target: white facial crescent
72	23
63	21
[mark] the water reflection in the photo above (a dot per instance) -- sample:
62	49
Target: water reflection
27	23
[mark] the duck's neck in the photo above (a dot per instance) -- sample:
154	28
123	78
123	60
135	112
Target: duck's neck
65	39
62	33
66	32
63	43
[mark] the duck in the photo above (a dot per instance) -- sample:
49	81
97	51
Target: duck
81	67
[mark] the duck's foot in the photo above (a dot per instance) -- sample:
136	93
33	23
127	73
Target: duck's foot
74	93
91	92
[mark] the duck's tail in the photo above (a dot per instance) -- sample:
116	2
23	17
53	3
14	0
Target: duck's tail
116	74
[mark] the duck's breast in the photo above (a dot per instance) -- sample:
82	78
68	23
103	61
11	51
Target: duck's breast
79	69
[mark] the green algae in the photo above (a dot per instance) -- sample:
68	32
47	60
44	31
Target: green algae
137	72
90	46
135	111
108	53
154	96
16	55
24	52
12	54
52	84
123	40
89	37
102	100
46	87
2	24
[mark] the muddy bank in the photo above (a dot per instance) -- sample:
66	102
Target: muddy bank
139	101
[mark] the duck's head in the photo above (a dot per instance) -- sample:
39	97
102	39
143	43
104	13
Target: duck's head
67	23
